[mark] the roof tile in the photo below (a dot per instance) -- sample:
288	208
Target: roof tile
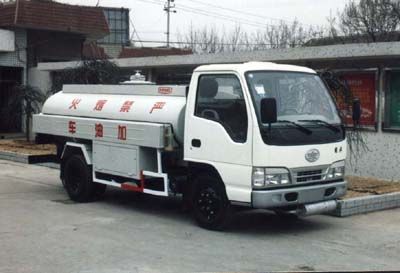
149	51
49	15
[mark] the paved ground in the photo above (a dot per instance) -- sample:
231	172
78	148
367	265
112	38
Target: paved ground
42	231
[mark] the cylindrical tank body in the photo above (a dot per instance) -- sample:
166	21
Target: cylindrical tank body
167	108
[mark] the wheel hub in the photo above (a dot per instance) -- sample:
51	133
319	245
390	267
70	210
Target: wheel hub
209	203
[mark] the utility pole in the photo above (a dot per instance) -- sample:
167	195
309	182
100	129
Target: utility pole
168	8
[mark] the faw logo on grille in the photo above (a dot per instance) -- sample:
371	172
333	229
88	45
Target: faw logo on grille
165	90
312	155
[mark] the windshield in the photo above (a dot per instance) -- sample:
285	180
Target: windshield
299	96
306	111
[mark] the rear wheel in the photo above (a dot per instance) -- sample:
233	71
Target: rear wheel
211	207
78	180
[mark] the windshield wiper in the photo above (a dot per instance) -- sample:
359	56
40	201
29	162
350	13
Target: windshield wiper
326	124
298	126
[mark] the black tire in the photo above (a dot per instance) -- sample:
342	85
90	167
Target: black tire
210	204
78	180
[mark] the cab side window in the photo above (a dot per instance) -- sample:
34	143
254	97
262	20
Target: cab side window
220	99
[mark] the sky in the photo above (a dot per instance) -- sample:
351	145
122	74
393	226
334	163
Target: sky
150	20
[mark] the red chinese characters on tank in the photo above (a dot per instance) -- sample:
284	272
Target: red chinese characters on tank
74	104
121	132
99	105
157	106
98	129
72	127
126	107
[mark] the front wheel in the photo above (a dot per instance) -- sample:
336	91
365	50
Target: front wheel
211	207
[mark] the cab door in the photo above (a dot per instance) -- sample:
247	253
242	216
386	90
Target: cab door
218	130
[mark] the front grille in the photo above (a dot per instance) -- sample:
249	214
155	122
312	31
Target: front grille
308	176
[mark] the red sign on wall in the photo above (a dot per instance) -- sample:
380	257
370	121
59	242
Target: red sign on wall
362	86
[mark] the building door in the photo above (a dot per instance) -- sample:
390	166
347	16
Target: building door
10	119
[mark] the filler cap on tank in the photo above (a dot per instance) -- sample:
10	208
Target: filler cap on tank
137	79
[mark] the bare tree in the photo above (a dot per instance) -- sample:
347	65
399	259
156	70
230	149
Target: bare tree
235	38
202	40
283	35
368	20
291	35
395	5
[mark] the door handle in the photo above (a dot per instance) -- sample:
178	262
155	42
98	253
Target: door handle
196	143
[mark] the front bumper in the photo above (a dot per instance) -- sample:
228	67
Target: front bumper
297	195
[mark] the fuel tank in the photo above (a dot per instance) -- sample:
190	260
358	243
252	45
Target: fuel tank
143	103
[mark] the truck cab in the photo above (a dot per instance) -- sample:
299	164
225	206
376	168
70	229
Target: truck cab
258	135
296	159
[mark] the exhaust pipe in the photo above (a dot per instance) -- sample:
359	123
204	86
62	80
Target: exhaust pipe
317	208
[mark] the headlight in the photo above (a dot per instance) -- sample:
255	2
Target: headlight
265	177
336	170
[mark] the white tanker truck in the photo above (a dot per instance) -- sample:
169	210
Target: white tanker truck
259	135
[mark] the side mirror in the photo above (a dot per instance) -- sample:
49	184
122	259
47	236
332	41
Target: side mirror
356	110
268	110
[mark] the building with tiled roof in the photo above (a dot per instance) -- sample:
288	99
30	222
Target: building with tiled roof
33	31
54	16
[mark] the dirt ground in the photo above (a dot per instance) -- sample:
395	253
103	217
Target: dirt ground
25	147
362	186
